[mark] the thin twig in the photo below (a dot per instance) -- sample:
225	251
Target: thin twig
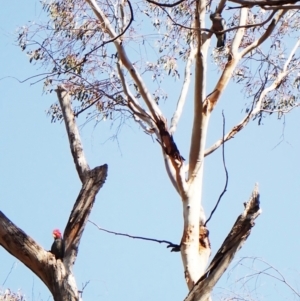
11	269
263	272
133	236
165	4
226	173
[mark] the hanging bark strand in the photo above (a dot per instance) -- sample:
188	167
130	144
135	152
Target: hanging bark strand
233	242
167	142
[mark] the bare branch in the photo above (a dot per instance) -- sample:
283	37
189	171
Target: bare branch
201	110
133	103
229	135
240	32
281	277
171	171
107	27
255	110
184	90
23	247
94	180
73	133
133	236
234	58
10	271
233	242
271	27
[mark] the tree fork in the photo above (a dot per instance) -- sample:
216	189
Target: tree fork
233	242
56	275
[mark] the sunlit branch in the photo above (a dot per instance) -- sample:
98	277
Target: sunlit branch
229	135
280	77
73	133
123	15
171	171
233	60
106	27
240	32
198	130
285	67
138	112
267	33
184	90
25	249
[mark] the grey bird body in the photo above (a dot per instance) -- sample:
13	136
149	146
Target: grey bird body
218	24
58	246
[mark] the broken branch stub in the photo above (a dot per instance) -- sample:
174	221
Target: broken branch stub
233	242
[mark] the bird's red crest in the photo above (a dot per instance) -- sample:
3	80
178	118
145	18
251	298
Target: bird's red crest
56	233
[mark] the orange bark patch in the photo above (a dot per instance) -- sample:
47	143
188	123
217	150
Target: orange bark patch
204	242
186	237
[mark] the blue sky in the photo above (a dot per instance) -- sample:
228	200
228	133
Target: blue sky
39	185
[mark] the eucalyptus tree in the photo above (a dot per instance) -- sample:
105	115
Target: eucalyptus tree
114	59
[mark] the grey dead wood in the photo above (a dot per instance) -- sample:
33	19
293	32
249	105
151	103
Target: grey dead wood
56	275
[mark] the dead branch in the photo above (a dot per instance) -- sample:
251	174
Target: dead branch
73	133
233	242
82	209
54	273
170	244
23	247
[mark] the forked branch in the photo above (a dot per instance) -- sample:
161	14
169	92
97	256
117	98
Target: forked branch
258	105
233	242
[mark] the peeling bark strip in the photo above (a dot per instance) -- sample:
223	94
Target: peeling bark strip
168	143
233	242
